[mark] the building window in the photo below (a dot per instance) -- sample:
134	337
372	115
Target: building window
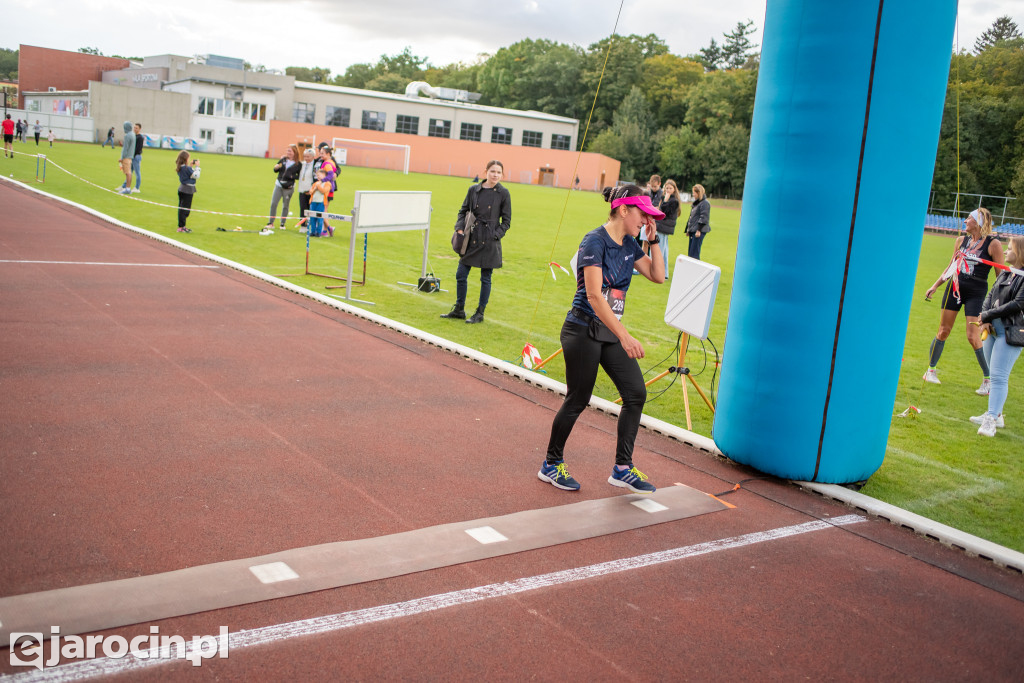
532	138
374	120
205	106
33	105
471	131
205	134
501	135
439	128
560	141
408	124
338	116
302	112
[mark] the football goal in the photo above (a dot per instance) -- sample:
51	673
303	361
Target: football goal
368	154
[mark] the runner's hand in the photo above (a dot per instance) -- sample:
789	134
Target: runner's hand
633	348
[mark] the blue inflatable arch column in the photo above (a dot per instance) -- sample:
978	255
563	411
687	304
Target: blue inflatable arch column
842	150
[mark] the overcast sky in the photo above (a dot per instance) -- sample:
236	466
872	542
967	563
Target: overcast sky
338	33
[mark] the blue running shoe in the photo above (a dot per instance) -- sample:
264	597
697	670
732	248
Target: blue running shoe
558	476
632	479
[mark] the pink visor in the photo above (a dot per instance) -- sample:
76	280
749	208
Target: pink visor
642	202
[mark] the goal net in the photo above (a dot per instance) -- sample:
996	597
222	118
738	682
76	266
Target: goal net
368	154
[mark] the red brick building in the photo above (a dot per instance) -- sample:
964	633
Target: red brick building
40	69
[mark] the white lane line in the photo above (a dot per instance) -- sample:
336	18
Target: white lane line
101	263
103	666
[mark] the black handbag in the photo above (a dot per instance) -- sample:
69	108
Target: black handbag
1014	332
460	240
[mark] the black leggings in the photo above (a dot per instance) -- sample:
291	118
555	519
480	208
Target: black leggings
184	208
583	355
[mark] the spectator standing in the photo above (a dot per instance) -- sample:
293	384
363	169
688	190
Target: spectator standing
36	130
110	138
593	335
287	170
8	127
50	136
1002	315
140	142
127	154
667	226
188	172
967	291
699	223
18	130
305	184
330	166
491	204
317	202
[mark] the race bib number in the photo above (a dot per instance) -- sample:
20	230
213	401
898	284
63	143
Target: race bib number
616	298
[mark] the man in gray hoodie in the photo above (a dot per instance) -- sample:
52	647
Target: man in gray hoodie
127	154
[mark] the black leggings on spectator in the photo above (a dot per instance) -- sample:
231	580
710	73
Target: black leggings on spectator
184	208
583	355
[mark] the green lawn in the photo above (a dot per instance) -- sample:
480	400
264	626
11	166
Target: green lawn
935	466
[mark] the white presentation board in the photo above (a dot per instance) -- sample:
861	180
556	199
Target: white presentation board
384	211
691	298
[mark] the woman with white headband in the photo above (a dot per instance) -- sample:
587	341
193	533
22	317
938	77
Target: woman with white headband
593	335
966	288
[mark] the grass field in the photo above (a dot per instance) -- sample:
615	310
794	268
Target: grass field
935	465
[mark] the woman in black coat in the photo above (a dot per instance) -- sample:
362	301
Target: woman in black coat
699	223
492	206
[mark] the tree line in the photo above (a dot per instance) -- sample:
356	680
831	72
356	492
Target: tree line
687	118
985	100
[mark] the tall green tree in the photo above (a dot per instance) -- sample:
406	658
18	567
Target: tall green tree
1003	28
982	131
533	74
309	75
711	56
737	49
631	137
665	81
680	156
725	157
624	68
8	64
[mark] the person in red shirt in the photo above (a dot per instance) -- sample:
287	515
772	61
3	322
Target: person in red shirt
8	127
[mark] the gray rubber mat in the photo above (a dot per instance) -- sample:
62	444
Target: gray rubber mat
99	606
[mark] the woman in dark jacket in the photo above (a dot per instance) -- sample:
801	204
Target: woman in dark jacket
491	204
667	225
287	170
699	223
1002	315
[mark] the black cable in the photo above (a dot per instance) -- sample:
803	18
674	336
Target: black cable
714	374
673	354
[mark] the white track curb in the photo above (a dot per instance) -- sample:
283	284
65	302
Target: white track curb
946	535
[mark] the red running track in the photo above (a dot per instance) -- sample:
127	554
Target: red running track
156	418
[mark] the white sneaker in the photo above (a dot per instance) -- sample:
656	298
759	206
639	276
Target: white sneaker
988	426
266	231
136	190
986	386
932	375
980	419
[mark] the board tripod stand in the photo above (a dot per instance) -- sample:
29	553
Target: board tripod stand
681	369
